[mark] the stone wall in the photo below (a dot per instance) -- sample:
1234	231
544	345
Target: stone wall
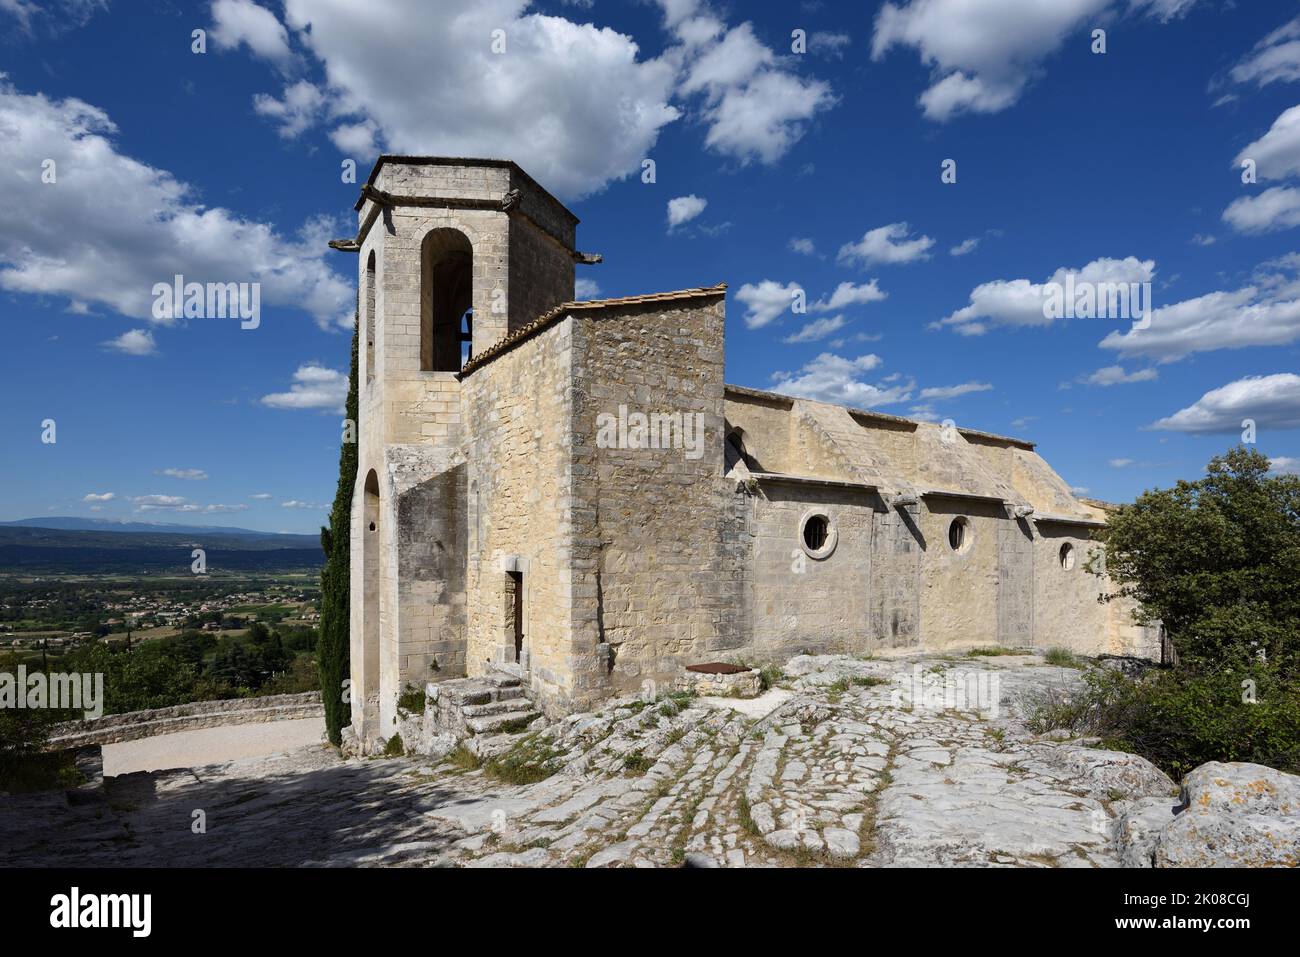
520	476
657	580
132	725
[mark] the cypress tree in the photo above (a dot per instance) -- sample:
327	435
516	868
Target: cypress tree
335	578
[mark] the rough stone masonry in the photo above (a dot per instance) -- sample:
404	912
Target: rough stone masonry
493	528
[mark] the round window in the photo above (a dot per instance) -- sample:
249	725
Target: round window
959	535
1067	556
816	534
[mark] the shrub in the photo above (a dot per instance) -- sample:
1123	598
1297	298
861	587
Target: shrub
1181	719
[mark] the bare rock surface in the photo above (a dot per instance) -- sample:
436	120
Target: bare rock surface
919	761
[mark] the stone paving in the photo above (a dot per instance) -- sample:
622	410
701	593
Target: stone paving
903	762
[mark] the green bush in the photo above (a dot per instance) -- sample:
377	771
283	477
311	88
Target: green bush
1180	719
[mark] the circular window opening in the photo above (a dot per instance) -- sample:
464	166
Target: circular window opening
1067	556
959	535
817	534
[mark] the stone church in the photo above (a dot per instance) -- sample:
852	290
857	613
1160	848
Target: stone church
570	491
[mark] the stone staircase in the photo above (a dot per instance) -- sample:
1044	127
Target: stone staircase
495	703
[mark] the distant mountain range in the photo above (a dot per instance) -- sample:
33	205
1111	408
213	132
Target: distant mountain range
71	523
101	546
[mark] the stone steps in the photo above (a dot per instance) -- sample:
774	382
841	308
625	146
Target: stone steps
492	724
491	704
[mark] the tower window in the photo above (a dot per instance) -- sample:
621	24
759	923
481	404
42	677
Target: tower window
1067	556
446	299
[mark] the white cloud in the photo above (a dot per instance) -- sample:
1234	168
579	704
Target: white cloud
886	244
572	103
755	107
1277	207
261	496
314	387
136	342
99	497
682	209
982	55
241	21
765	301
817	329
189	475
828	44
1276	58
1284	465
832	378
1019	302
849	294
111	227
1272	401
1115	375
294	503
1264	314
178	503
584	288
298	110
965	246
954	391
1120	463
1277	152
803	246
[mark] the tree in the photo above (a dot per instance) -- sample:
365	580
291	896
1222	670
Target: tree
333	650
1216	560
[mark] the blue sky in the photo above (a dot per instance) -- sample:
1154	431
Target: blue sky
788	170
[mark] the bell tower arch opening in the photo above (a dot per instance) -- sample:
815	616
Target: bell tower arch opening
446	300
368	302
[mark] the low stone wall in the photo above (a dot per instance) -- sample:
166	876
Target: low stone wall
114	728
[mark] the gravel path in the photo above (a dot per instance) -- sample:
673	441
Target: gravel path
188	749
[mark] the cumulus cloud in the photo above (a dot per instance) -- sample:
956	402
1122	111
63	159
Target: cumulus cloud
1277	207
1272	401
238	22
682	209
766	300
1284	465
886	244
584	288
1020	302
832	378
313	387
850	294
575	104
1266	313
261	496
983	55
1116	375
817	329
803	246
99	496
1277	152
136	342
180	504
964	247
110	227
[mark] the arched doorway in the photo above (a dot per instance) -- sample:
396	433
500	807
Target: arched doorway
370	592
